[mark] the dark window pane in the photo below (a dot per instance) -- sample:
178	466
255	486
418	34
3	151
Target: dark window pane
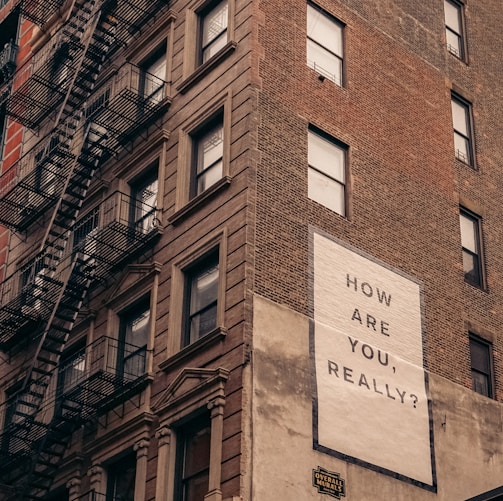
480	354
470	243
193	458
121	479
133	340
480	383
197	451
196	487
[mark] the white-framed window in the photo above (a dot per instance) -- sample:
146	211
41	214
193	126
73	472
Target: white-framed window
327	160
134	333
463	135
203	157
153	76
324	44
472	249
453	12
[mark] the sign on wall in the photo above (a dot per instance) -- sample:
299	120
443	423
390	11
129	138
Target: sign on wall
371	403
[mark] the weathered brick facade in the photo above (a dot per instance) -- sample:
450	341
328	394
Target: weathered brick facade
253	374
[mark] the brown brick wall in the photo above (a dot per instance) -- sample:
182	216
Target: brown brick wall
405	186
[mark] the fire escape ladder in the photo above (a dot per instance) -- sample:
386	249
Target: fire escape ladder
59	231
75	278
49	449
69	118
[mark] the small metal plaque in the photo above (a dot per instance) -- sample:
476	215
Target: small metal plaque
329	482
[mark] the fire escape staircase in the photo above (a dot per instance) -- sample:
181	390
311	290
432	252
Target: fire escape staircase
91	30
73	152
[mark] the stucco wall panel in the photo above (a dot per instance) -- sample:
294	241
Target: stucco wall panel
469	458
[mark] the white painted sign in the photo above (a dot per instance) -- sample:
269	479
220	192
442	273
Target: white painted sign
371	403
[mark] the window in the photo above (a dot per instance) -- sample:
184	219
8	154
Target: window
61	69
454	28
461	120
71	373
327	171
192	410
134	331
193	441
84	235
201	298
481	362
144	201
324	44
32	284
471	244
213	32
46	180
204	144
121	479
198	285
72	368
153	75
209	39
208	153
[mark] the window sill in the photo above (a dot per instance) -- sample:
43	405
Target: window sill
465	164
205	68
458	57
481	287
193	204
213	337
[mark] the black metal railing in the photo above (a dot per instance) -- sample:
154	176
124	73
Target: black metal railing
115	231
34	182
27	298
97	378
133	16
39	12
41	85
125	104
109	235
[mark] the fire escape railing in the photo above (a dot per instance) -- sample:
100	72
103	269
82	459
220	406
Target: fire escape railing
125	104
133	16
115	231
56	87
37	11
101	376
110	234
117	112
34	182
41	86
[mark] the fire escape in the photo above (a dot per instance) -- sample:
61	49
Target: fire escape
40	302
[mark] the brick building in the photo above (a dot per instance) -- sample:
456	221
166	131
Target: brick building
250	250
